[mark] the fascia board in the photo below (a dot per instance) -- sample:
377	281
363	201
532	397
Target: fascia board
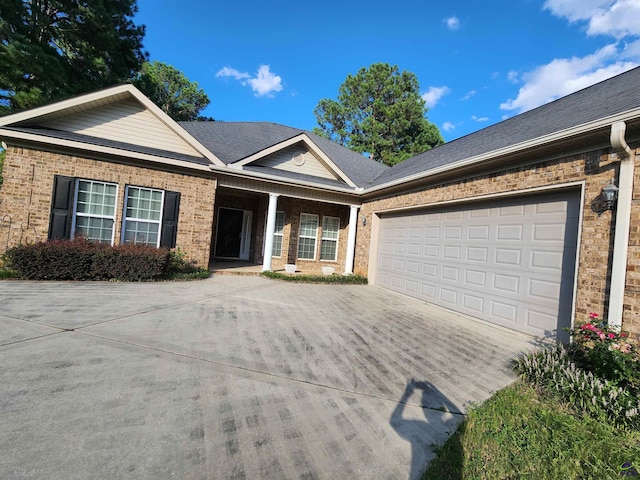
292	141
91	148
512	149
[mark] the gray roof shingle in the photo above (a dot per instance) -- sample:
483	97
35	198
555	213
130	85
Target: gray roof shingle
233	141
615	95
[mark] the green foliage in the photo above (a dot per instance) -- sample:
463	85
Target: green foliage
587	394
607	353
336	279
379	112
171	90
521	434
52	49
178	268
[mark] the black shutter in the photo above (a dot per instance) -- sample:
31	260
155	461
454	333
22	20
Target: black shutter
61	207
170	219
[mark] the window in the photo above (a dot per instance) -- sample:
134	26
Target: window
329	242
308	236
95	209
87	209
277	234
142	216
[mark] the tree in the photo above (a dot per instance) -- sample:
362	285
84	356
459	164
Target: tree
52	49
171	90
379	112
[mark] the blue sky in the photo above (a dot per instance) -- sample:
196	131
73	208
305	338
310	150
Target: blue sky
274	61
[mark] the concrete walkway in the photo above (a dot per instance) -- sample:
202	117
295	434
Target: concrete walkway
234	377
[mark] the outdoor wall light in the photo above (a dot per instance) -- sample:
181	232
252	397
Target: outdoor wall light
610	195
364	220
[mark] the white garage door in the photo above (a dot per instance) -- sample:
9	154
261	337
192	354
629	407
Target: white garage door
510	262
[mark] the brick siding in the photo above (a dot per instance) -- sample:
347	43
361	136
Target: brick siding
25	197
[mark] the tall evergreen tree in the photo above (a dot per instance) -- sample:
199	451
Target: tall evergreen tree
171	90
52	49
379	112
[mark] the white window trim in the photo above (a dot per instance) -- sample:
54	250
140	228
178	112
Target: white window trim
315	238
77	214
337	239
276	234
133	219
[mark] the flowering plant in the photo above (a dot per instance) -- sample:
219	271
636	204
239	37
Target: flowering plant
606	352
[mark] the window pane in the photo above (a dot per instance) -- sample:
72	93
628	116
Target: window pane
328	250
144	203
279	223
96	198
308	225
306	247
94	229
277	246
141	233
330	227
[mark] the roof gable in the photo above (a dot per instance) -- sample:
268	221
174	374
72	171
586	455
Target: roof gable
278	157
121	115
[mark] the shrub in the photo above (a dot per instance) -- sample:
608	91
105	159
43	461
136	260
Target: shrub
81	259
606	352
554	371
340	279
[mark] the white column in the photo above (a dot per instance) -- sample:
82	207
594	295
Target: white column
268	235
351	240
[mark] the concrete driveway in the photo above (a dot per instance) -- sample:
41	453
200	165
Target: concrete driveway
234	377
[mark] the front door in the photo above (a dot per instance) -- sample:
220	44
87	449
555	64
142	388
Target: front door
233	236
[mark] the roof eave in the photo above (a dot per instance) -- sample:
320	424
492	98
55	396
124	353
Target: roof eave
582	129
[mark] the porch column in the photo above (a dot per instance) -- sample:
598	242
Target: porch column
271	228
351	240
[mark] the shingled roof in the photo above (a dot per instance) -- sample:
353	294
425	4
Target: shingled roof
615	95
234	141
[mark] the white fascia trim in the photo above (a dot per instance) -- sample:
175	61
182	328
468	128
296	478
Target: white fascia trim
102	149
287	143
106	94
536	142
64	104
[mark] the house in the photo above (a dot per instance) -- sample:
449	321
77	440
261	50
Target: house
508	224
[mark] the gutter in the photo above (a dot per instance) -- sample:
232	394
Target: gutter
623	224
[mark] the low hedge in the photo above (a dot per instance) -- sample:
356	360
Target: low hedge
335	279
81	259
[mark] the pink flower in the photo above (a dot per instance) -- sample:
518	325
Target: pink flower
601	335
611	336
615	346
593	315
626	348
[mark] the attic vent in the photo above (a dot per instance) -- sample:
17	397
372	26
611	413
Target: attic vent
299	159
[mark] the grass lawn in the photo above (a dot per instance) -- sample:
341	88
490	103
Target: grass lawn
519	433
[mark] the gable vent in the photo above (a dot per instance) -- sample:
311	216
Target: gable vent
298	159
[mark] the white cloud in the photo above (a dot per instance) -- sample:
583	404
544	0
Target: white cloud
453	23
617	18
563	76
265	83
434	94
448	126
512	76
479	119
469	94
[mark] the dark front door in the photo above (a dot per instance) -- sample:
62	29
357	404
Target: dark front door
229	233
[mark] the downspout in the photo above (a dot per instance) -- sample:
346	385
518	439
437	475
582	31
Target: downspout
623	224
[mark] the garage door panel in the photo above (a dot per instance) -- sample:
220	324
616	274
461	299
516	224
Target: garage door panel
511	263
